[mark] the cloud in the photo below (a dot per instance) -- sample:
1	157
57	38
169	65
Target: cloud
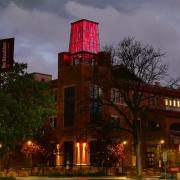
148	24
39	36
41	28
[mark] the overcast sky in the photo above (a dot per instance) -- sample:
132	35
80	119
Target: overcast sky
41	27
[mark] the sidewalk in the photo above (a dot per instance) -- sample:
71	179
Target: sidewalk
67	178
82	178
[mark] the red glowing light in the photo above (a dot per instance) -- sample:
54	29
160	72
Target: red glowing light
84	37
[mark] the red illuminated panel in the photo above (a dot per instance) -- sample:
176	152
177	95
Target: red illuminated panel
66	57
84	37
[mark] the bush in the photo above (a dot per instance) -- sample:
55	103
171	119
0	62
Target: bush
54	174
75	174
168	176
7	178
99	173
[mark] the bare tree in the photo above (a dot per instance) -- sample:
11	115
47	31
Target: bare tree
134	68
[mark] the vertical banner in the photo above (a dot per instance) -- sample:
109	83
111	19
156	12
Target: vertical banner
6	53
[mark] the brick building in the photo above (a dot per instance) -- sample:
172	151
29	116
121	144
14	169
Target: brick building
73	124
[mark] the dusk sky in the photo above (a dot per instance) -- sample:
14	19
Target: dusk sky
41	27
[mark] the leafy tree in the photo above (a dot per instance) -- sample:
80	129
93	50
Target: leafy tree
33	151
133	69
108	148
25	104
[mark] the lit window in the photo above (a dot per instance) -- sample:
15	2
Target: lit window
174	103
170	102
178	103
166	102
81	153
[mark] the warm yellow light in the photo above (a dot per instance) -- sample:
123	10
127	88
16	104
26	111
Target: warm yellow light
170	102
83	154
166	102
78	160
58	160
29	143
174	103
178	103
162	141
58	146
124	142
0	145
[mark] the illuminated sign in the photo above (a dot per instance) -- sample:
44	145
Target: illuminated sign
6	53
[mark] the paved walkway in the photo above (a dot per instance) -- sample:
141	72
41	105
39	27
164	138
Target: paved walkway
67	178
80	178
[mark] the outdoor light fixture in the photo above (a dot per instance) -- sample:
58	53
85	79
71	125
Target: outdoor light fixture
77	144
124	142
81	153
29	143
162	141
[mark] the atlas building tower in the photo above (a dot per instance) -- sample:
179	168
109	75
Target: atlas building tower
75	74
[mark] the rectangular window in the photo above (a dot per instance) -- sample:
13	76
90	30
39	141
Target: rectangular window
174	103
116	96
170	102
81	153
95	104
166	102
178	103
95	92
152	100
69	106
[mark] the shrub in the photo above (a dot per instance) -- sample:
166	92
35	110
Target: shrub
7	178
54	174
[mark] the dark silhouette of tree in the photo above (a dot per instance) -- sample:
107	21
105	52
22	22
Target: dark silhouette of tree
25	105
133	69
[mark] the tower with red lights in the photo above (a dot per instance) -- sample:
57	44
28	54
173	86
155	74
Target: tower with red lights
84	37
75	81
83	45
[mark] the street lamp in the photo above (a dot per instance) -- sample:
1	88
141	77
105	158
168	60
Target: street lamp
124	144
0	155
29	143
162	141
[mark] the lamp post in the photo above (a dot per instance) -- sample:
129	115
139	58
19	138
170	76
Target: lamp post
29	144
124	144
162	141
0	156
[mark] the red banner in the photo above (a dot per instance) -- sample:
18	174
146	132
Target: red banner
6	53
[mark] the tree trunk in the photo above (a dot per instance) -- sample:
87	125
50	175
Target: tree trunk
138	157
138	149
